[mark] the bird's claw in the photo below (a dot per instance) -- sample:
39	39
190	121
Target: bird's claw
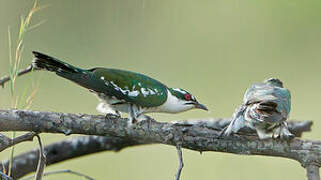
222	133
284	134
134	120
286	137
149	119
112	116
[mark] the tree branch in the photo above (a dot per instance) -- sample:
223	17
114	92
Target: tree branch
313	172
54	122
5	79
195	135
6	142
41	162
63	172
5	177
180	160
61	151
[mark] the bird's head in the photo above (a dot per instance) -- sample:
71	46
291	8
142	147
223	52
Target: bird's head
274	82
185	100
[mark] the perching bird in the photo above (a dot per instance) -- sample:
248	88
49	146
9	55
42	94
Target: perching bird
265	108
122	91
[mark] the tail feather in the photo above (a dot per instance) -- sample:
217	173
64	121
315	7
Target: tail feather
237	122
79	76
48	63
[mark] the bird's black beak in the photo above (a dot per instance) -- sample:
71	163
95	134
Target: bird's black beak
201	106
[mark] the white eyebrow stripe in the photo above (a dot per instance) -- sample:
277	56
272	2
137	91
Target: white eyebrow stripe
179	90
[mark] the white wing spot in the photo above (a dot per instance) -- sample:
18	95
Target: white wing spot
151	92
145	92
125	91
102	78
133	93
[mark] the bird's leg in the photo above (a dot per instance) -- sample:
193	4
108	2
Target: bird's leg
263	134
283	132
134	120
136	115
104	108
132	114
117	113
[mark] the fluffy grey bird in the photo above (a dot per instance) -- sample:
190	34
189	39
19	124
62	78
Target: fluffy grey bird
265	108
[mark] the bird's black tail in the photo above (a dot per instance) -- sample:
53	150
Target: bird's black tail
82	77
48	63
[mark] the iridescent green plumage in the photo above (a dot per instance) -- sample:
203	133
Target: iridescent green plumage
124	85
120	90
132	87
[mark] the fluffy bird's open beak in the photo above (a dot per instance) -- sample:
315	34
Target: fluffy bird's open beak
201	106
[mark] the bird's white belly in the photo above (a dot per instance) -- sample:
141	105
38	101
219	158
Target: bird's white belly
110	104
172	105
106	104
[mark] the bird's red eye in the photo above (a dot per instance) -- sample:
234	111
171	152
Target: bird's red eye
187	97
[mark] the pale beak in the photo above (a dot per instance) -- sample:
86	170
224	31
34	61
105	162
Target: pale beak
201	106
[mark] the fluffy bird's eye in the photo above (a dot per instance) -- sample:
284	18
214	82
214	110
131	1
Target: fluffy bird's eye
187	97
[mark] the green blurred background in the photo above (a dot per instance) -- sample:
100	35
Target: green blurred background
213	48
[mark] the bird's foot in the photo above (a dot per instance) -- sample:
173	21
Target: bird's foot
112	116
135	120
226	132
287	137
131	121
263	135
283	133
147	118
284	136
231	135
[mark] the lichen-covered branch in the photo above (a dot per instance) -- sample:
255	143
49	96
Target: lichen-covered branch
61	151
54	122
313	172
198	135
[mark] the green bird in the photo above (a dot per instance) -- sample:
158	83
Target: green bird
121	90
